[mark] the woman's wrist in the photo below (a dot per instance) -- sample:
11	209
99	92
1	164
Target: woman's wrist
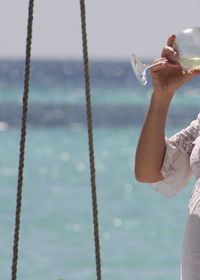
163	93
160	101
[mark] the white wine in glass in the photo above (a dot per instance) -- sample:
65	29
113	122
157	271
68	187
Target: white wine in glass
187	45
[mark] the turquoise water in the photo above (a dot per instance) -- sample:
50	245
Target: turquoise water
140	231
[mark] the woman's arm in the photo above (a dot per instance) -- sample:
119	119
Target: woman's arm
167	77
151	146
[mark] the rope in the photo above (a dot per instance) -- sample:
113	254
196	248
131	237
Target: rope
90	140
22	140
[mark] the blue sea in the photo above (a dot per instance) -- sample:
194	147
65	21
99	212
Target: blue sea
141	232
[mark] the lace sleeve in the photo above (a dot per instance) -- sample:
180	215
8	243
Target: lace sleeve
176	164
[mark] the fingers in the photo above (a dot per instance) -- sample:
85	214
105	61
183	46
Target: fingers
171	40
189	74
162	63
194	72
170	54
168	51
159	64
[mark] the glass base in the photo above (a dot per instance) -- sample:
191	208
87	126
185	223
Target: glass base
139	69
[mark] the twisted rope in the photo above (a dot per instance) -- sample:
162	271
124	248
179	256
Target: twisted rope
90	141
22	140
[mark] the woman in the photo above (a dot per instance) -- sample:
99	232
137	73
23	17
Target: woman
168	163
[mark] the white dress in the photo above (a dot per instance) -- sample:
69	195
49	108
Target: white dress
181	161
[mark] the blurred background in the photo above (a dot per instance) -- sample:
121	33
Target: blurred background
140	231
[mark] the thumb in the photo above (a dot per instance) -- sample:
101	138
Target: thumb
189	74
195	72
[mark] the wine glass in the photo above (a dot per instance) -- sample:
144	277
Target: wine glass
187	45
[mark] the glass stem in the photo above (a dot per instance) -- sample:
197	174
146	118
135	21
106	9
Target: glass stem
154	64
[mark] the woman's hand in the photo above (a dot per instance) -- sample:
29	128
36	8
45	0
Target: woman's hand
168	76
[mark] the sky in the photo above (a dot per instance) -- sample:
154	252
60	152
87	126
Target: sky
116	28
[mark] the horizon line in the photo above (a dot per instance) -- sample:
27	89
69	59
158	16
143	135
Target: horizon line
45	58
